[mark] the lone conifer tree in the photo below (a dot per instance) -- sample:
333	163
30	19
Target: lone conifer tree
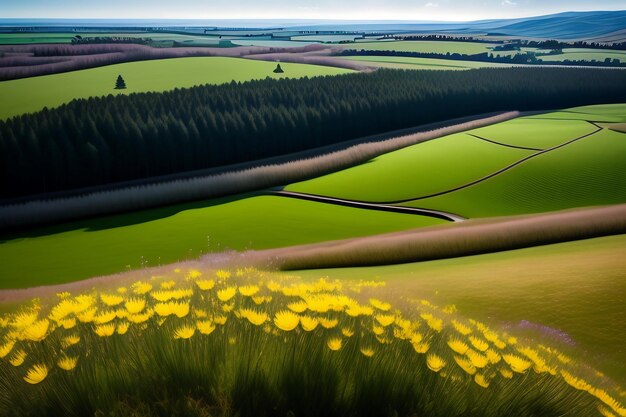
278	69
120	84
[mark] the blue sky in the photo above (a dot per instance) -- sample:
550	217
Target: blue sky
416	10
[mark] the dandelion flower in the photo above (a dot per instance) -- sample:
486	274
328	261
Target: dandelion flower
578	383
493	356
67	363
105	330
461	328
36	331
87	316
381	305
328	323
481	380
465	364
184	332
478	343
70	341
606	412
458	346
68	323
18	358
36	374
434	362
105	317
609	401
222	274
286	320
248	290
420	347
168	285
308	323
122	290
297	307
506	373
205	327
122	328
516	363
385	320
226	294
368	352
111	300
205	284
334	343
135	305
347	332
141	288
478	359
193	274
221	320
140	318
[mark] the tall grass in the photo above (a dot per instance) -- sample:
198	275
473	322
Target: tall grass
257	177
253	344
460	239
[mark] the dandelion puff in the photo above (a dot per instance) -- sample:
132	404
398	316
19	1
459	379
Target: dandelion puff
334	343
36	374
67	363
434	362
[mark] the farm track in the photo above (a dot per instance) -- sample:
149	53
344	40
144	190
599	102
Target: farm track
370	206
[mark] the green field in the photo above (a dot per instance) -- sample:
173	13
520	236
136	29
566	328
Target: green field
418	170
156	237
439	47
588	172
534	133
577	287
577	54
422	63
33	94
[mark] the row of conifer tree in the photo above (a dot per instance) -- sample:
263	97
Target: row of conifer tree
112	139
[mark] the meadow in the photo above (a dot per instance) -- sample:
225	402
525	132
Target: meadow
33	94
108	245
584	172
61	37
328	347
468	48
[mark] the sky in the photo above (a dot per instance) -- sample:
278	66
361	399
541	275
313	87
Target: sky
412	10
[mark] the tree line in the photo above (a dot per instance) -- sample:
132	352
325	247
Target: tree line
110	139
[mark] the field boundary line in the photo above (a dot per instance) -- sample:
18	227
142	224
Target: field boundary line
504	144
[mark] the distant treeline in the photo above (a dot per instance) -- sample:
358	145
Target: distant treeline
79	40
117	138
546	44
519	58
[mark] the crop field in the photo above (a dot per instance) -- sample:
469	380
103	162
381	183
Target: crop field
408	172
422	63
587	172
577	54
574	289
156	237
468	48
41	37
33	94
321	347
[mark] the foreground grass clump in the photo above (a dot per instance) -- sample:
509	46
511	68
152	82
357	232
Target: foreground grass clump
264	344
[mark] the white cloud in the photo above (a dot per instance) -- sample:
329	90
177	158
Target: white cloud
509	3
430	4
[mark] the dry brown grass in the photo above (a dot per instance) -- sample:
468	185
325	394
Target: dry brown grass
459	239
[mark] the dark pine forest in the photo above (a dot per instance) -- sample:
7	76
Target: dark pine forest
111	139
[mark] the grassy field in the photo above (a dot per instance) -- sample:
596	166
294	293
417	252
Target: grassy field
577	54
243	342
534	133
584	173
418	170
468	48
422	63
155	237
33	94
575	287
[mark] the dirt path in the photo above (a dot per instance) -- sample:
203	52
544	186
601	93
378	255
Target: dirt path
370	206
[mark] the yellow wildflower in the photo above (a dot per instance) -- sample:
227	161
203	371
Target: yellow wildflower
465	364
308	323
67	363
478	359
111	300
205	327
255	317
458	346
37	331
334	343
122	328
381	305
105	330
70	341
135	305
479	343
461	328
141	288
369	352
481	380
328	323
516	363
248	290
297	307
226	294
205	284
184	332
286	320
434	362
36	374
385	320
18	358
